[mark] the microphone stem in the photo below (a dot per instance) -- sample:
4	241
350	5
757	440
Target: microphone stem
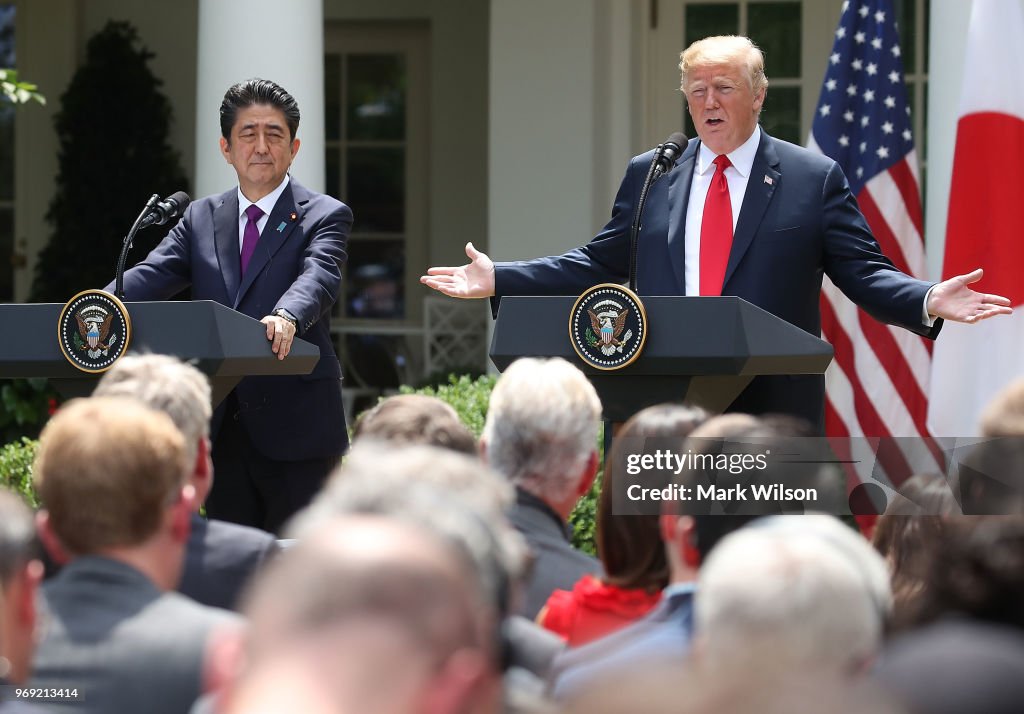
119	274
634	229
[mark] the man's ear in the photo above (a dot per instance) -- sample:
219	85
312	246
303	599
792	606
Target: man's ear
32	576
679	533
202	470
224	149
57	552
181	512
295	147
481	448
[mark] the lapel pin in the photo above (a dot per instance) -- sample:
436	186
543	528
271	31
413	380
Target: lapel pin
768	179
280	228
293	216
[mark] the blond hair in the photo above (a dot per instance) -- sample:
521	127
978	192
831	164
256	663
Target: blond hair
724	50
106	469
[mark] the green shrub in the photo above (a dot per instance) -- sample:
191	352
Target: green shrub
469	397
25	405
16	468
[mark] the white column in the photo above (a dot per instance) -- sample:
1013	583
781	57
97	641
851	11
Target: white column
283	42
949	21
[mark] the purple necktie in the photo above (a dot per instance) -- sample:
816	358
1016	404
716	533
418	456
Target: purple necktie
251	236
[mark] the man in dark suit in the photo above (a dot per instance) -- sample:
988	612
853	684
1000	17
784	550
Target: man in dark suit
220	556
112	476
541	435
744	214
273	250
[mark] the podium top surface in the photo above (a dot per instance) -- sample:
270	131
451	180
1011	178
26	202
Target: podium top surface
685	335
218	340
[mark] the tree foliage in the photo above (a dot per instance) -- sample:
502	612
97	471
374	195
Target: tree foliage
113	129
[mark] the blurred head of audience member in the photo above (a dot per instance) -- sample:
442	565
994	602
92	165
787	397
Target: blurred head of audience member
796	593
179	390
1004	415
20	574
628	543
541	430
112	477
415	419
905	540
367	613
967	651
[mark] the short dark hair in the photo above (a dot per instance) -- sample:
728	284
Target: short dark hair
18	543
407	419
257	91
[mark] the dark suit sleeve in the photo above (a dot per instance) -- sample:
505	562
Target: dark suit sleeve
315	289
166	271
605	259
855	263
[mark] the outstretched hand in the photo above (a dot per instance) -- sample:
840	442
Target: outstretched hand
473	280
953	300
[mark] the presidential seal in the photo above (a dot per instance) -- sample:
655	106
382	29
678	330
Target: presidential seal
608	326
94	330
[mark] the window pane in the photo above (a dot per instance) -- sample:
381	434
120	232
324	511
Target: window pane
707	19
376	97
781	114
775	27
332	167
376	279
332	97
906	14
6	151
375	182
6	255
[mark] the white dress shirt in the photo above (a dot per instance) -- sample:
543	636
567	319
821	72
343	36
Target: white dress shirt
266	205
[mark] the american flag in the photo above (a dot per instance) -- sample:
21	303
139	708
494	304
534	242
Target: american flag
877	386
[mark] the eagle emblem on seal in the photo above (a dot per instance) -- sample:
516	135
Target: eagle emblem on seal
607	328
94	330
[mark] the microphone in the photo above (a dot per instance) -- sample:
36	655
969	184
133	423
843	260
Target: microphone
665	156
667	153
171	207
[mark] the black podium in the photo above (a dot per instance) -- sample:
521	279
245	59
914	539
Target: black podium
223	344
700	350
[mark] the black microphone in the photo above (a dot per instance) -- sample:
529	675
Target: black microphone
665	156
667	153
171	207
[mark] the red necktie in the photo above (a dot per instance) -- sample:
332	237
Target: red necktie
251	235
716	231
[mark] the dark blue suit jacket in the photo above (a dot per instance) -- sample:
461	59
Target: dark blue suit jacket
296	266
801	223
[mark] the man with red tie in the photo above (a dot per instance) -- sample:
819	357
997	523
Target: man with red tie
740	213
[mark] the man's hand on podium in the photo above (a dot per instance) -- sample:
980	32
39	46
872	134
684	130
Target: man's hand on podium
953	300
473	280
281	332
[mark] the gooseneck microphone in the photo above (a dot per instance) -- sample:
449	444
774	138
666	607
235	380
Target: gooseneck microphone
171	207
665	156
154	213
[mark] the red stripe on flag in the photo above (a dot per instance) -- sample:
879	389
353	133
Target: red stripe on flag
894	362
887	240
907	185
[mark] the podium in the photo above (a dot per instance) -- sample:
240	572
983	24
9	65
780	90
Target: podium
700	350
223	344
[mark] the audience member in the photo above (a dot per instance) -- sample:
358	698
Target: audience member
541	434
112	475
663	635
220	556
415	419
20	575
791	593
459	497
365	614
1004	415
968	652
904	537
628	544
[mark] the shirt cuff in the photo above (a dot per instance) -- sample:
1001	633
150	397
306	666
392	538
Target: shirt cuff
926	319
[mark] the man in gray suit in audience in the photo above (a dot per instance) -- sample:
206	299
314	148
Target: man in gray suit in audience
221	556
112	475
541	435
